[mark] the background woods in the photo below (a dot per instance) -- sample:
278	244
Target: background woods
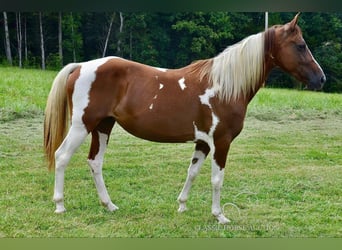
170	40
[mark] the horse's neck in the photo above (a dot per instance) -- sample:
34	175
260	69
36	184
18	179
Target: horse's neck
268	66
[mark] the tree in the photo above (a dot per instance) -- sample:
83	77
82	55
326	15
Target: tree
41	40
201	35
25	39
7	40
60	38
169	40
19	37
108	35
72	37
120	34
139	34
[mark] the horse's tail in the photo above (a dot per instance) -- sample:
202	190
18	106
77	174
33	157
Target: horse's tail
56	114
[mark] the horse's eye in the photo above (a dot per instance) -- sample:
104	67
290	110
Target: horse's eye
301	47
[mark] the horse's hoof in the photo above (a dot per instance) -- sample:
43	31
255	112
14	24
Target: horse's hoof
222	219
60	210
111	207
182	208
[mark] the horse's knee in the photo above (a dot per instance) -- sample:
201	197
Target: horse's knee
95	166
217	180
61	159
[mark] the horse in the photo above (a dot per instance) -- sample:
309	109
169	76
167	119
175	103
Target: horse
204	102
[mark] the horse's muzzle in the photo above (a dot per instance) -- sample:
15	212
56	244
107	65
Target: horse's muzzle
317	82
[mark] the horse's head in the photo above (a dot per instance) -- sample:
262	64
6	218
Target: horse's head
291	53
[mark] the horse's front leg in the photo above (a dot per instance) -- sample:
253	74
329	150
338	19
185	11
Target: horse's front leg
201	151
219	157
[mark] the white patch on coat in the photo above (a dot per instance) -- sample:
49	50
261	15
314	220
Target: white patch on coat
215	122
208	137
80	96
151	106
161	69
96	167
209	93
161	85
98	160
201	135
181	83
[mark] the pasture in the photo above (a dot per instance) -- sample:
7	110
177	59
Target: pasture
283	176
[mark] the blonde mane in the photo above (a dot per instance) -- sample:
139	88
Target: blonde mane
238	69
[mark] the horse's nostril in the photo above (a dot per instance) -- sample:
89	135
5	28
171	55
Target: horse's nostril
323	79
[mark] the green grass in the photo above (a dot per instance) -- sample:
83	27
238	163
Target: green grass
23	92
283	176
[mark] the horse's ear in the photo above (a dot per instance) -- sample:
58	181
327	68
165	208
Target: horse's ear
295	20
292	25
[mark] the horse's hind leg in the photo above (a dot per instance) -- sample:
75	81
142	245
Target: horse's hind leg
100	137
200	154
72	141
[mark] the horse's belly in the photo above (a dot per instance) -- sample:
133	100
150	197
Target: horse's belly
158	128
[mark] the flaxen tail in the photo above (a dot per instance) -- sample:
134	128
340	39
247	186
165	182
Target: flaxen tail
56	114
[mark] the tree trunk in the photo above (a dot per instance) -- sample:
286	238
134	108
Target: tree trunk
25	39
120	33
41	40
7	40
60	38
19	38
108	35
73	37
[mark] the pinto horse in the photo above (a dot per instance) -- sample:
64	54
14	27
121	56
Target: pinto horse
204	102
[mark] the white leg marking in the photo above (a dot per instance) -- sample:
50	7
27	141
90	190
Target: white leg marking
72	141
217	176
96	169
194	168
181	83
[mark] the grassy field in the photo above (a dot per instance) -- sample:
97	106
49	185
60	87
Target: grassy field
283	176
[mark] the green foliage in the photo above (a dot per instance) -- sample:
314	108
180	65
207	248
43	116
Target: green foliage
72	37
201	34
172	40
53	61
330	57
